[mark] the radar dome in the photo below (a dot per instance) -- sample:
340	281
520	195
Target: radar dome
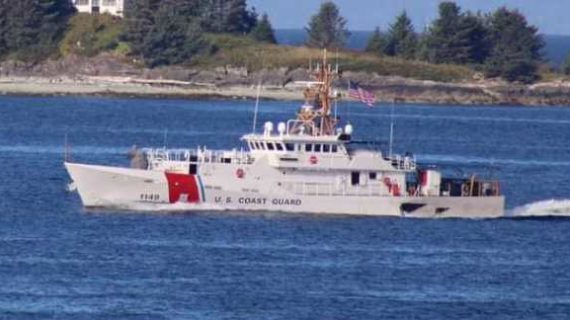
281	127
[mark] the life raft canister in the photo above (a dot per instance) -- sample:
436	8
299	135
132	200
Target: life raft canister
313	159
240	173
393	188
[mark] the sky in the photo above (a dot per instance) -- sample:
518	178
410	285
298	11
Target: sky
550	16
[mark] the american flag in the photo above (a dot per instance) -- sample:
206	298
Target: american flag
356	92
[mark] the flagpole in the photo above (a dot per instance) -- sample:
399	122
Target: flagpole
392	128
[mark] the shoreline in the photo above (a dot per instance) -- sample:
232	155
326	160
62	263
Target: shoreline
49	87
388	90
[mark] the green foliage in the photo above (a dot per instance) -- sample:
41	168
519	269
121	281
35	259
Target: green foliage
402	39
376	43
164	32
516	51
139	20
33	28
3	26
245	52
327	28
263	31
227	16
91	34
456	37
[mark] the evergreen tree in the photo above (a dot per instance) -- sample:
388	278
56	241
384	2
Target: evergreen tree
165	32
327	28
456	37
376	43
3	26
402	39
139	20
227	16
517	46
35	27
239	19
263	31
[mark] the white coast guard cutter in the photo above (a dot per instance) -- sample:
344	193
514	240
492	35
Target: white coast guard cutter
306	165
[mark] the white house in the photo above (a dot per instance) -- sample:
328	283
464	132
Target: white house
114	7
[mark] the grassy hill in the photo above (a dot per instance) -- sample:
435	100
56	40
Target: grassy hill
245	52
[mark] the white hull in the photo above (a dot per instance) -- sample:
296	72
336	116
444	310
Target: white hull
124	188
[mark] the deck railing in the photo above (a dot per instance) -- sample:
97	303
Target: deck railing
157	157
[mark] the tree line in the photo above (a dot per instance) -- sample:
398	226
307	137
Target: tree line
167	32
162	32
502	43
32	28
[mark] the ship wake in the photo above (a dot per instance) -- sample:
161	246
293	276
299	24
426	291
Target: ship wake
547	208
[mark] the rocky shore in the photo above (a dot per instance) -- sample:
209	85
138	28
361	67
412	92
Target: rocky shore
107	75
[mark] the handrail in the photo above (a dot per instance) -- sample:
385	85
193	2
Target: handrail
199	155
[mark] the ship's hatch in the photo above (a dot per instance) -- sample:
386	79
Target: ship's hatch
411	207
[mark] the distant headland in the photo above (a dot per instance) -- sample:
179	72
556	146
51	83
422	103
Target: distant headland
181	49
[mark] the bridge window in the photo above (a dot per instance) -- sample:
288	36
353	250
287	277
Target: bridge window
270	146
290	147
317	148
326	148
334	148
309	147
279	146
355	178
372	175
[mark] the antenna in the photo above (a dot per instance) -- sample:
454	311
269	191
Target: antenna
65	148
165	138
337	61
256	107
392	128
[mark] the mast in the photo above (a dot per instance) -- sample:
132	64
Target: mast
319	120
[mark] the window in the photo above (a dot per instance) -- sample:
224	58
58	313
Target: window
270	146
290	147
372	175
326	148
251	146
279	146
355	178
334	148
317	148
257	146
309	147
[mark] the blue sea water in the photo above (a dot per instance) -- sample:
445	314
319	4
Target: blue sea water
58	261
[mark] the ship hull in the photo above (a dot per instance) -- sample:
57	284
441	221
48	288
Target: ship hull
132	189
